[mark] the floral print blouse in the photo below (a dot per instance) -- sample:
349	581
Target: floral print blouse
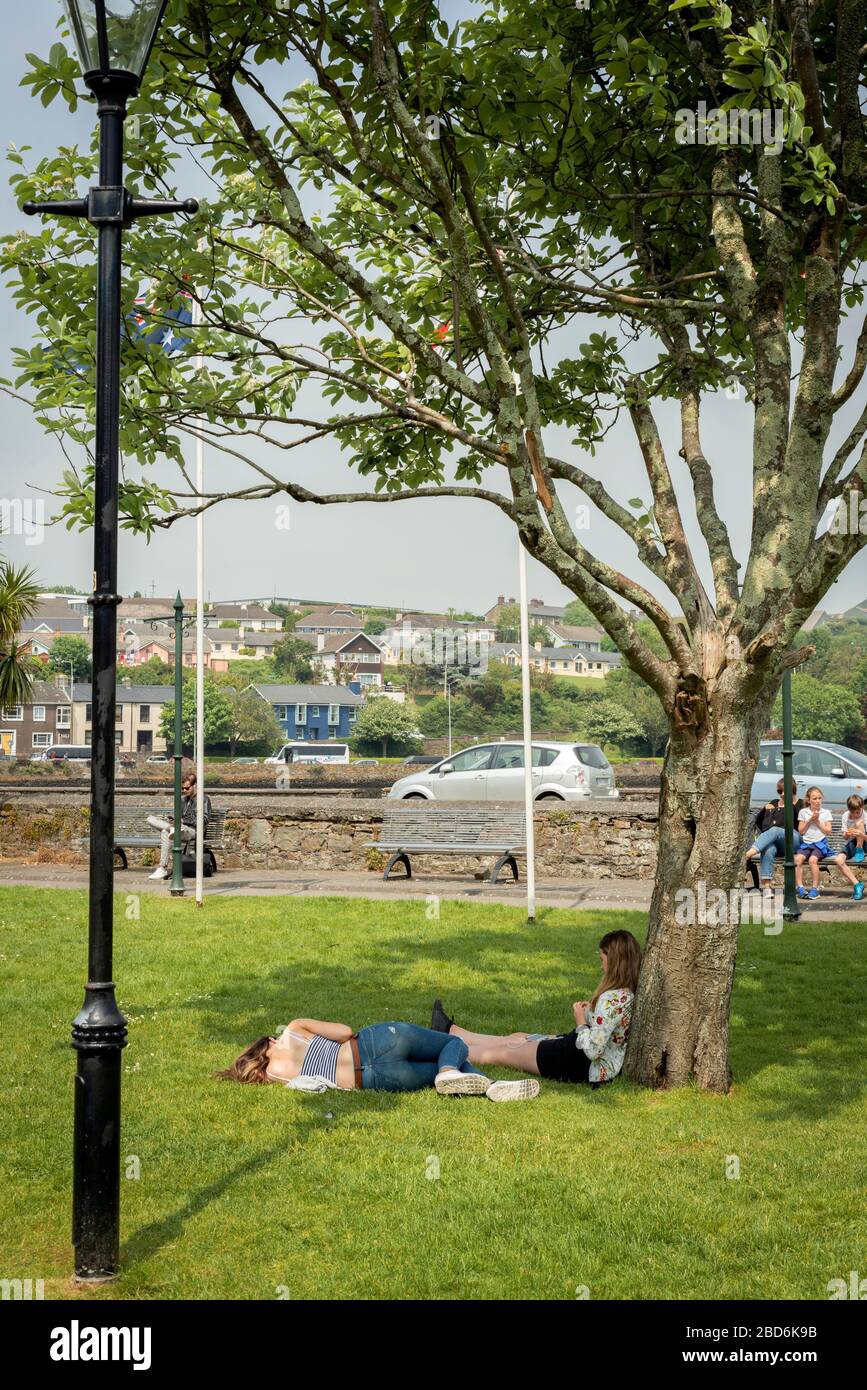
604	1038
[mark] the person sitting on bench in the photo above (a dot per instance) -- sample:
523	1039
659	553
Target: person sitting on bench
770	835
188	825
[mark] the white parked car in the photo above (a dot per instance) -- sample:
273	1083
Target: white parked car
837	771
495	772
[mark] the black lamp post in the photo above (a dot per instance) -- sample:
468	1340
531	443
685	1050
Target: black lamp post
114	40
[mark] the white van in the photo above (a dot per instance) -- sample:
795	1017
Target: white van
68	753
311	752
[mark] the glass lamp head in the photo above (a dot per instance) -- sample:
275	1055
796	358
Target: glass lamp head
114	36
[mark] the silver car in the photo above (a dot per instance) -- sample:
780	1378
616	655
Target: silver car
838	772
495	772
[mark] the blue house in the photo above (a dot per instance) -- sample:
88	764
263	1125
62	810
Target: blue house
314	712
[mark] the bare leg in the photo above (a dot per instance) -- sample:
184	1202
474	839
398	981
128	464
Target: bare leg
840	861
479	1039
505	1052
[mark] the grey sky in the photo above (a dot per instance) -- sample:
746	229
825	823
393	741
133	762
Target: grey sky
432	554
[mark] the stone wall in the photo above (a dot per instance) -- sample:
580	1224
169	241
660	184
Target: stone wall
594	840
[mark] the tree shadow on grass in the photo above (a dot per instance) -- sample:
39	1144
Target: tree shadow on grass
143	1244
798	1005
511	982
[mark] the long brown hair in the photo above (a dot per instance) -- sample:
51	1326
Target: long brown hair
250	1066
624	962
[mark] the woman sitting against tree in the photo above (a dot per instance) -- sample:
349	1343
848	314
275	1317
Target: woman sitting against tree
310	1055
595	1048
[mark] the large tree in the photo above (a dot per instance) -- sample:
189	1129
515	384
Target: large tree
385	723
72	651
218	715
254	724
497	227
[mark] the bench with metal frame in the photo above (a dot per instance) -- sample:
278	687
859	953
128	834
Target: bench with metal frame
432	828
131	831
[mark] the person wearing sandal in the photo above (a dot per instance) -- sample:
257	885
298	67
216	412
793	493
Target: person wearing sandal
594	1050
311	1055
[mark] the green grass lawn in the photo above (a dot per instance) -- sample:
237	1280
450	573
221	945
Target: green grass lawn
244	1191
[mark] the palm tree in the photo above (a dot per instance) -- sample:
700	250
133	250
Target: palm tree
19	599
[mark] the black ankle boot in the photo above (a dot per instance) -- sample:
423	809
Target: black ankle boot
439	1019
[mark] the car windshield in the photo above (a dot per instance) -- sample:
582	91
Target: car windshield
857	759
590	756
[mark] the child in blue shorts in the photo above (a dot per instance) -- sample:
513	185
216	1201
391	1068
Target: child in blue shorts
855	829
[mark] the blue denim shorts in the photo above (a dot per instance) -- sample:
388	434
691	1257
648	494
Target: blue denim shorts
818	849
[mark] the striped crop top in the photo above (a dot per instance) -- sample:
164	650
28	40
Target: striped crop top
320	1059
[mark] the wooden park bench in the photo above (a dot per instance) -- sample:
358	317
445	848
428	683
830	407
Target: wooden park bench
131	831
431	828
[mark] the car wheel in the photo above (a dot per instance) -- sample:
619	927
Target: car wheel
416	796
550	796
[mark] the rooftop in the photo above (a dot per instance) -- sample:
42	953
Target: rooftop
129	694
308	694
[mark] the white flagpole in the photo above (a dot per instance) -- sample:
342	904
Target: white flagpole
200	644
528	734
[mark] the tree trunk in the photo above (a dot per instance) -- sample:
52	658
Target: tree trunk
679	1029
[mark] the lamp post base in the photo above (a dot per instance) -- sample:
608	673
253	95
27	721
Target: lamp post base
98	1037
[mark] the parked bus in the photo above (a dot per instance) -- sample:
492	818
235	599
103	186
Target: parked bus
311	752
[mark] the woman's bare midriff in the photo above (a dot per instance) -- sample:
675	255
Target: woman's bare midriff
286	1062
346	1067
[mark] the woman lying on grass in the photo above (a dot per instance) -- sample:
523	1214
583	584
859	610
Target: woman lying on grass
593	1051
313	1056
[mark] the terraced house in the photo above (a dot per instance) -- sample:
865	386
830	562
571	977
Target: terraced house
38	724
137	719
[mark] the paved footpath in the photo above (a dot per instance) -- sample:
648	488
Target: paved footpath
592	894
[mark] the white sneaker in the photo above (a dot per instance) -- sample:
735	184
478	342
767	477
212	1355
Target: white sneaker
513	1090
159	873
462	1083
